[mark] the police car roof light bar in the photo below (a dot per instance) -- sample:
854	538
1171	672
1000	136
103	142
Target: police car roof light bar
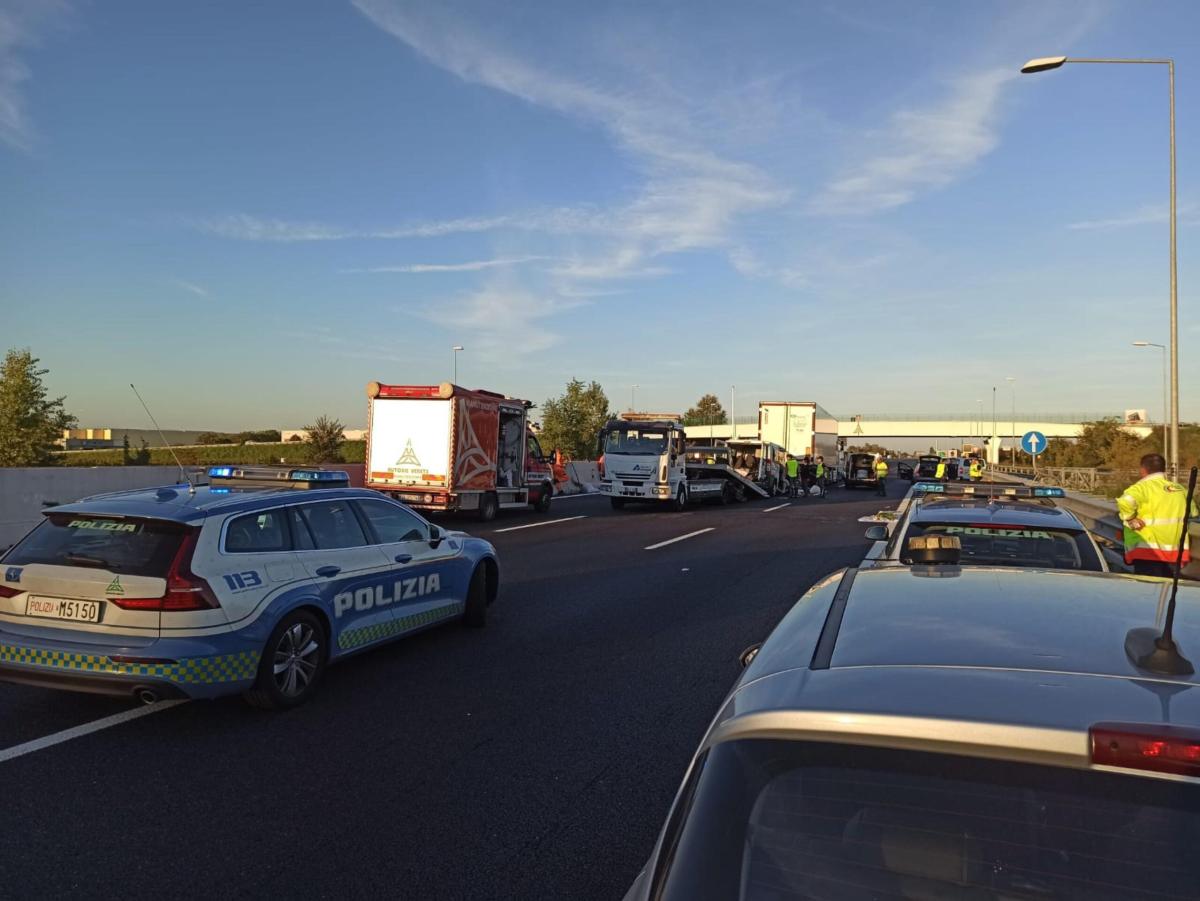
988	489
1159	653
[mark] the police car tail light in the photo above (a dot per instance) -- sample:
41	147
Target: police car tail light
185	590
6	592
1157	748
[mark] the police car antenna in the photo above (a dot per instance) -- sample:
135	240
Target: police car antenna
167	444
1159	653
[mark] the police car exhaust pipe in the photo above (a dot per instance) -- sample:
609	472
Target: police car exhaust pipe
145	695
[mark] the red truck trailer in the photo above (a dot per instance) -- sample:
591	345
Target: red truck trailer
446	448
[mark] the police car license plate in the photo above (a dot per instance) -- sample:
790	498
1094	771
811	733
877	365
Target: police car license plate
61	608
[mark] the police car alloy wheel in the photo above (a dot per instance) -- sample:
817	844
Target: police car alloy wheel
475	614
292	662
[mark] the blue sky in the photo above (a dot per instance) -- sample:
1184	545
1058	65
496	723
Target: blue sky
253	209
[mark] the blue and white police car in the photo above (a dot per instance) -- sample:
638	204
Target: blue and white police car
248	584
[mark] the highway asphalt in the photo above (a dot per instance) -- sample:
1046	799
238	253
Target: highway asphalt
535	758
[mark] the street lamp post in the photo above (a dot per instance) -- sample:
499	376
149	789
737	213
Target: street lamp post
1164	376
995	439
732	416
979	420
1054	62
1012	383
454	355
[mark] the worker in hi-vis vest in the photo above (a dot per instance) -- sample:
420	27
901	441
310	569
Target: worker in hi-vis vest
976	471
940	472
1152	510
881	471
793	474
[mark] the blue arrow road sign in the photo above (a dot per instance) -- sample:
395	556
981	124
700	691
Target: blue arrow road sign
1033	443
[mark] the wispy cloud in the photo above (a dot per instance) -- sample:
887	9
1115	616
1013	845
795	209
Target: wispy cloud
1147	214
504	321
471	266
690	196
190	286
922	148
21	27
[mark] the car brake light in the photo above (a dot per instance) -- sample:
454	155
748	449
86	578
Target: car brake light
1156	748
185	590
6	592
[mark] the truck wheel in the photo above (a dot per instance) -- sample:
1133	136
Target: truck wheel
680	503
489	506
618	503
543	501
739	494
726	495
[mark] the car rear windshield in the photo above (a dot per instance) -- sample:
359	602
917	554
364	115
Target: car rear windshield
768	820
140	547
998	545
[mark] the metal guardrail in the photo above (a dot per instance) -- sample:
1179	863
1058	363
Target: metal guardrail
1072	478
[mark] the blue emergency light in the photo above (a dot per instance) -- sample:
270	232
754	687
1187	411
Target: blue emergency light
220	472
317	475
1049	492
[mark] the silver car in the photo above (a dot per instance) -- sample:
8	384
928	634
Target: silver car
948	732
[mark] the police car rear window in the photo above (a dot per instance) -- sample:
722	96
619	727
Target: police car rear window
140	547
999	545
770	820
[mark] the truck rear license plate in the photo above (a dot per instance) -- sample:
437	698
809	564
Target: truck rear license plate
61	608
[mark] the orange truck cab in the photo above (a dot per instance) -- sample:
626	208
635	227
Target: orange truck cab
446	448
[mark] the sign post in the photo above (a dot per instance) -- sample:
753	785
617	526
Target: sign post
1033	443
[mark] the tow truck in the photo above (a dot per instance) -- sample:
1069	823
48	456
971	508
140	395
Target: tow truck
444	448
646	459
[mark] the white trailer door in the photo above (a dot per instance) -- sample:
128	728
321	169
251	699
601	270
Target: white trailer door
410	442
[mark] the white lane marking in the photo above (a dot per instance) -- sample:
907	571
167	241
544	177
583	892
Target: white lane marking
575	497
780	507
545	522
57	738
652	547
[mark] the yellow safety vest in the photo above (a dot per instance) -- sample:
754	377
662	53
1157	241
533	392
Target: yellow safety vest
940	472
1159	503
976	470
881	469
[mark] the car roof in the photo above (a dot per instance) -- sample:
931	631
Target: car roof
1020	647
1034	512
177	504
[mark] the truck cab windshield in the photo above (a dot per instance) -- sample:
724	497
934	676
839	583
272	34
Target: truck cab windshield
636	441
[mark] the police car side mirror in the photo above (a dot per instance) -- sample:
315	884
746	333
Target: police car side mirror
877	533
747	656
435	536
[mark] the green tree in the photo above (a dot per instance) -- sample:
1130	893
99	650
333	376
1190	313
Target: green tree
30	422
572	422
324	442
708	411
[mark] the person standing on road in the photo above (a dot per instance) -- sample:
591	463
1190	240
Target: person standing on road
793	473
821	480
881	471
1152	510
976	470
940	472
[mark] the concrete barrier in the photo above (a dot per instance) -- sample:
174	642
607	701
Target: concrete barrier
26	492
